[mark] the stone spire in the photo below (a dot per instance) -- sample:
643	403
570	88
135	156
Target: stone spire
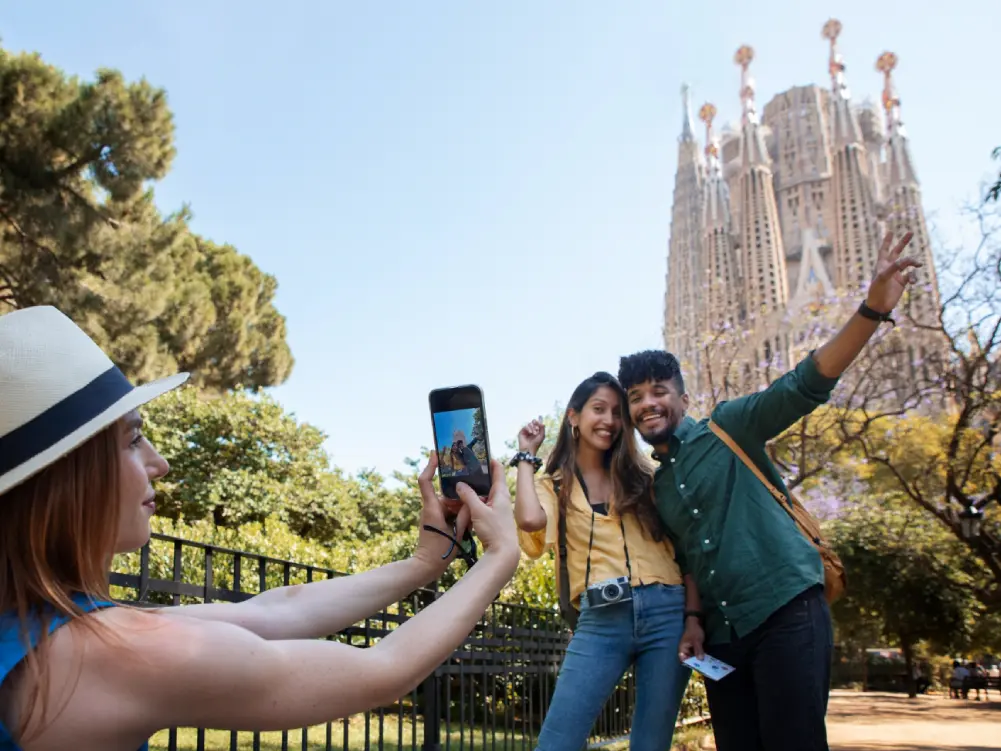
766	283
900	168
684	270
856	234
904	209
753	140
844	124
723	301
687	126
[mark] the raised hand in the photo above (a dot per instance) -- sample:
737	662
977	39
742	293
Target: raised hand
531	436
892	274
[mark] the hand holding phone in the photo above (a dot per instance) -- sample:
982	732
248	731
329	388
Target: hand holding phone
490	517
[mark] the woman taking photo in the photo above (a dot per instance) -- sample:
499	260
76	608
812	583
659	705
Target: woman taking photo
619	570
78	672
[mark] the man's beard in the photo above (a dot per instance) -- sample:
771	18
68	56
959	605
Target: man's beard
661	436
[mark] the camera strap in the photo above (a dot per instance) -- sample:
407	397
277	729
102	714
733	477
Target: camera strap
590	542
567	610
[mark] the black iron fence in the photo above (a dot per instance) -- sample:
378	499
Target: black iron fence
491	694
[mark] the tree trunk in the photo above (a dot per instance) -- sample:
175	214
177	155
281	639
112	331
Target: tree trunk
908	649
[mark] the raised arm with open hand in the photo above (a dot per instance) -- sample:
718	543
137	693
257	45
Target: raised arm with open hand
892	274
891	277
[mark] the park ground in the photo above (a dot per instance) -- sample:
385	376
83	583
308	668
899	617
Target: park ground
892	722
856	722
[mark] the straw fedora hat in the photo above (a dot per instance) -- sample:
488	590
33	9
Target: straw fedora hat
57	389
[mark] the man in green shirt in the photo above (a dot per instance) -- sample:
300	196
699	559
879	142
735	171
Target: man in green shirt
752	579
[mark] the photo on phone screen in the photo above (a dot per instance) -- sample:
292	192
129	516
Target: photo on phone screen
460	437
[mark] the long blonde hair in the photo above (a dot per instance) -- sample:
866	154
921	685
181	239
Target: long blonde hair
57	537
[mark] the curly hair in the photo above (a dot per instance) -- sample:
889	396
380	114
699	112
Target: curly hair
650	365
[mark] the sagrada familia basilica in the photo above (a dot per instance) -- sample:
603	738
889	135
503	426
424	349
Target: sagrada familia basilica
788	208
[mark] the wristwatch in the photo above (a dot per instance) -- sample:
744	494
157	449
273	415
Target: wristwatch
874	315
524	456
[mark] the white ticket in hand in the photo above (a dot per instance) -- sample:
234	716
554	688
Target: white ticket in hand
710	667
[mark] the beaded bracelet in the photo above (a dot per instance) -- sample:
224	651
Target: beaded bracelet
524	456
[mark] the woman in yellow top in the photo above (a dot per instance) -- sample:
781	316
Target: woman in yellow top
622	575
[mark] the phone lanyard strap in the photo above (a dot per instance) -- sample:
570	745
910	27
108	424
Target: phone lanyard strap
590	542
469	556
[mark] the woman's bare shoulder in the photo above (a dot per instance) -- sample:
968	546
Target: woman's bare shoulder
95	667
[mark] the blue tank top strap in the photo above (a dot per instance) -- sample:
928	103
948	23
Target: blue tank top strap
13	648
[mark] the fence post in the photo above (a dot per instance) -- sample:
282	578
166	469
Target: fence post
431	711
431	699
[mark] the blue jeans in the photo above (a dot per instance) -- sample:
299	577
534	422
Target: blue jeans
776	699
644	632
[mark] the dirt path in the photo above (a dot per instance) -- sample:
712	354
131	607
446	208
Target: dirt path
891	722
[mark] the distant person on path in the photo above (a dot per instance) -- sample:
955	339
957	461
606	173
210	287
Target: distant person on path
977	679
761	582
597	486
959	683
79	672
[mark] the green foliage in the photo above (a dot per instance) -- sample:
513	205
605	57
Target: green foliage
906	579
238	458
840	458
79	230
271	538
534	584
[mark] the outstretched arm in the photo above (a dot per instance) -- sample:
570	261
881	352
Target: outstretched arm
317	609
891	279
221	676
755	419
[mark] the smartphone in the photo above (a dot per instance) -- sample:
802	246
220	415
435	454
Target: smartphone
459	422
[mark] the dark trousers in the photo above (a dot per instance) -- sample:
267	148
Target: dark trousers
776	699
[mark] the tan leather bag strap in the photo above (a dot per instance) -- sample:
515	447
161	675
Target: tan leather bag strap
776	493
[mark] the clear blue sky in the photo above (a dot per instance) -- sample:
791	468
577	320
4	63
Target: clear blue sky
521	153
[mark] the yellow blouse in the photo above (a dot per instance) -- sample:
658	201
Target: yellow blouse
651	561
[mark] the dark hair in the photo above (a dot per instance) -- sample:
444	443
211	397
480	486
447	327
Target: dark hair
632	483
650	365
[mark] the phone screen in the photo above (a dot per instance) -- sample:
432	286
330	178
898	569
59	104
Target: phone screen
460	437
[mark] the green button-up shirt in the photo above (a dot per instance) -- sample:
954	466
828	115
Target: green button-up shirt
744	551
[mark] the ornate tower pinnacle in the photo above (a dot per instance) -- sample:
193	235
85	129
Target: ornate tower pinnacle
886	64
706	114
743	58
836	63
687	126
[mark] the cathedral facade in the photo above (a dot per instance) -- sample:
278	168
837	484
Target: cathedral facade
787	208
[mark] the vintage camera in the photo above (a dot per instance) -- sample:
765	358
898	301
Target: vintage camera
609	592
